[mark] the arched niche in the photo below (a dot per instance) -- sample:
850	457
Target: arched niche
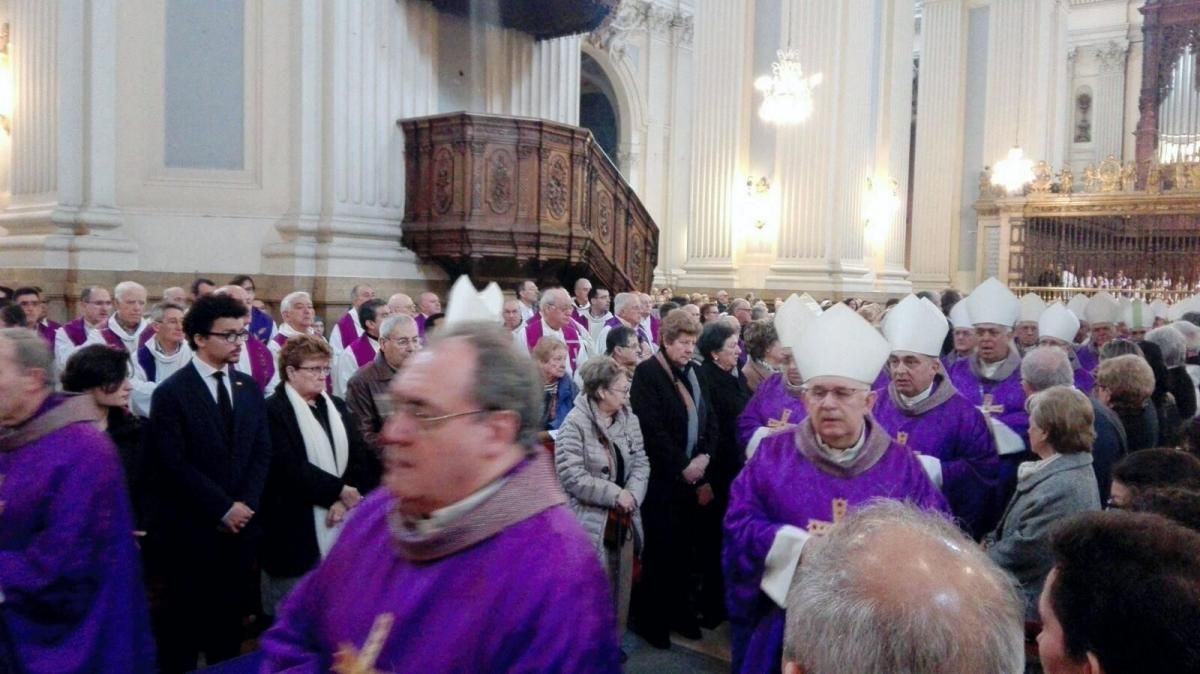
629	110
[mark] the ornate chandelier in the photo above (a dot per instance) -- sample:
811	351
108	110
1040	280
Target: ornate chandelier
787	93
1013	172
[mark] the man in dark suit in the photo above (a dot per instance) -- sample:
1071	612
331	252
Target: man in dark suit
208	428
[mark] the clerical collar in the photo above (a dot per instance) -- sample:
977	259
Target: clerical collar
289	332
444	517
844	457
919	398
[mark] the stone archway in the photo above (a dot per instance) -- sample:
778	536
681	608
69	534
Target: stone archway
598	108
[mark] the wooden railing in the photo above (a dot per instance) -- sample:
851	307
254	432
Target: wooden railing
509	198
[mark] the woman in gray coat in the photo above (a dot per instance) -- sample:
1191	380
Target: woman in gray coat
1060	484
603	468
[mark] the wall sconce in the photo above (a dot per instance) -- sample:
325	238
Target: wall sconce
882	203
6	82
758	201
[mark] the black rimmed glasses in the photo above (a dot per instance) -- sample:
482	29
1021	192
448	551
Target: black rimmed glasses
230	337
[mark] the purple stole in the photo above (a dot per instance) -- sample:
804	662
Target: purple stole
146	335
656	325
347	329
533	333
420	319
47	330
615	322
77	333
279	338
262	365
149	365
260	324
362	349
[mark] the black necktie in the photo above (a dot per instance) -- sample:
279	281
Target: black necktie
224	404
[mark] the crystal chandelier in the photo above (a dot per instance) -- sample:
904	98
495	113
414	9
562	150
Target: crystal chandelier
787	93
1013	172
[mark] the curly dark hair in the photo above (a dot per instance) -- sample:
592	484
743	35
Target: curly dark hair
95	366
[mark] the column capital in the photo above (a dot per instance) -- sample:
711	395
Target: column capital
1111	56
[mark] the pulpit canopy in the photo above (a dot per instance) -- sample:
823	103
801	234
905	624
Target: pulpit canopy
543	19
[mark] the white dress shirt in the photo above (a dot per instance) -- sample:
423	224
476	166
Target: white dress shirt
206	373
346	365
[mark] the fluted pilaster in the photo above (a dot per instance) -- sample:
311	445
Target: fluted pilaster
1108	128
937	172
32	49
532	79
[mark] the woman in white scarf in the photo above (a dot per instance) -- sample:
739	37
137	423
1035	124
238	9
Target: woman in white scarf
319	468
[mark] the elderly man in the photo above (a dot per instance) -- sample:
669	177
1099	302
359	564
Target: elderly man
628	307
469	559
262	326
527	295
256	358
128	322
402	304
1102	313
582	299
923	411
175	295
161	356
430	305
90	328
904	591
990	378
1121	596
1057	328
298	316
364	349
722	301
962	335
1048	366
802	482
349	327
597	314
511	314
367	389
30	299
555	320
70	577
651	320
1032	306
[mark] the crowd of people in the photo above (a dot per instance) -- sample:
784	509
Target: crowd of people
926	484
1147	285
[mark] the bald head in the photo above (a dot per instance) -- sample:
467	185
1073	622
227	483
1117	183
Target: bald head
236	292
402	304
894	589
430	304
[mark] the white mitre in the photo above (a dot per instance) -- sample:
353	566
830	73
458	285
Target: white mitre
1077	305
793	319
1102	308
960	318
464	304
1032	306
916	325
992	302
840	343
1159	309
811	304
1058	322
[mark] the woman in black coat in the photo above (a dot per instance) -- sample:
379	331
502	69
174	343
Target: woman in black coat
320	469
728	392
678	429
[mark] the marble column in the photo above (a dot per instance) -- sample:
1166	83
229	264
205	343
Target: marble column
1108	127
893	142
720	138
937	171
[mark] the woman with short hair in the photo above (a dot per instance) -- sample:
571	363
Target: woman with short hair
766	353
603	467
550	355
320	468
1124	384
1061	483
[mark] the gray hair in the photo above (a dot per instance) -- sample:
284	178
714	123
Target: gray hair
127	286
292	298
159	310
505	379
759	312
846	612
1047	366
552	295
623	300
32	352
598	374
1171	342
394	321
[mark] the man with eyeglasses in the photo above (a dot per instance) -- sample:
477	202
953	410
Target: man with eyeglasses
90	328
366	392
362	350
803	482
160	357
555	320
298	318
469	559
31	302
208	426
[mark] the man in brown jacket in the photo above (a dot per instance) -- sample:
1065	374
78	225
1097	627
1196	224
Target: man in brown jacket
367	391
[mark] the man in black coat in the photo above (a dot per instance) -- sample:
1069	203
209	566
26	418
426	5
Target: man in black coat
208	430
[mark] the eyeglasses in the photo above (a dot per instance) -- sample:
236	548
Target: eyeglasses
404	341
323	370
841	394
424	419
230	337
622	391
30	303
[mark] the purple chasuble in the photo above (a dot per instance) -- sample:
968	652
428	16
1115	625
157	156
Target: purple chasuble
570	330
782	485
69	569
529	598
261	324
883	380
362	349
771	406
1002	398
347	328
420	320
1089	358
952	430
1084	381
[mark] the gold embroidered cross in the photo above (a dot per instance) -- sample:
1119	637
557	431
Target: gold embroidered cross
820	528
902	438
348	660
988	408
780	422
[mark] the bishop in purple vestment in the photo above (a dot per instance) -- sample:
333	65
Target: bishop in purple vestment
70	576
469	560
772	406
